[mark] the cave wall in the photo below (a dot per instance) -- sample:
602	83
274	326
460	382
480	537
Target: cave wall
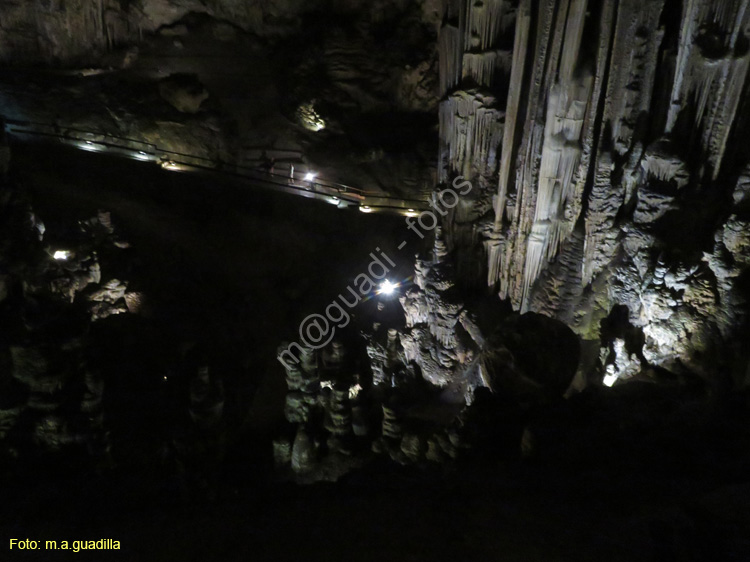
617	164
66	31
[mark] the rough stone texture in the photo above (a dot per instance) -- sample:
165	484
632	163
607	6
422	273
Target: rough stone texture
326	404
52	31
184	93
52	390
365	71
616	162
435	338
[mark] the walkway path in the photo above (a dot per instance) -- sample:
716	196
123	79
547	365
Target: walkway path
339	194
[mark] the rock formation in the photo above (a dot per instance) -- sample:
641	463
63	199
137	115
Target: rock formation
619	147
608	194
51	292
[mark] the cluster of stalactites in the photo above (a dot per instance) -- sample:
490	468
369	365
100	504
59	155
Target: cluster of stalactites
468	40
549	164
471	130
711	73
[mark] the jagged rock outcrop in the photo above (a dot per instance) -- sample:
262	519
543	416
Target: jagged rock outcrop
54	289
436	338
183	92
327	409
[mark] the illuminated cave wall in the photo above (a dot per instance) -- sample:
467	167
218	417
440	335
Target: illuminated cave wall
606	138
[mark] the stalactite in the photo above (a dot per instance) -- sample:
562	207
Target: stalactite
485	21
449	48
485	67
535	248
471	129
573	36
494	250
707	74
520	49
728	106
710	79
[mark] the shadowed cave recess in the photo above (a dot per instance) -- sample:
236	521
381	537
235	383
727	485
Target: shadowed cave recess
523	227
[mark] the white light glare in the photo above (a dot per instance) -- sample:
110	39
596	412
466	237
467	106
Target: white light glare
365	209
609	379
309	176
61	255
387	288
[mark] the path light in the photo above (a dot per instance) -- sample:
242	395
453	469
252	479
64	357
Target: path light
61	255
387	288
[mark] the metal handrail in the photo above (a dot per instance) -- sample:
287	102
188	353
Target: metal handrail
109	140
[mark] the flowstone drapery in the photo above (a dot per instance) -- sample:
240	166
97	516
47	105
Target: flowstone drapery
615	150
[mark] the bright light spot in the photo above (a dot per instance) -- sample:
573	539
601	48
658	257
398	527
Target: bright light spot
365	209
609	379
169	165
411	213
165	377
309	176
61	255
354	391
387	288
88	145
326	384
410	210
